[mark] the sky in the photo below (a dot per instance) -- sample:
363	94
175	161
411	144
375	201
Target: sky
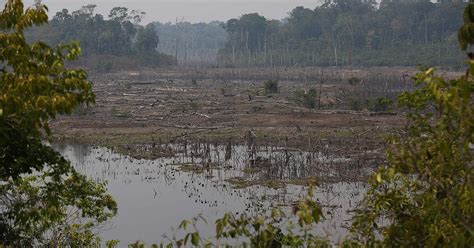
188	10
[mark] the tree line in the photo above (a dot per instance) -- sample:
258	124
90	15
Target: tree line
348	33
119	35
337	33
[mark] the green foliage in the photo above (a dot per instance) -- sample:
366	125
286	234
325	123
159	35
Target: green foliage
146	40
251	28
306	98
355	104
271	87
379	104
352	32
43	200
466	32
112	243
426	190
108	45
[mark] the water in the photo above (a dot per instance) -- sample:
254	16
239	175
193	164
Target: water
154	196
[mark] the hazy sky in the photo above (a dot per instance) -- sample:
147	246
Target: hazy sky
190	10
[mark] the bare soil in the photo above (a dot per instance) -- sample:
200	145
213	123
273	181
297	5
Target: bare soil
218	105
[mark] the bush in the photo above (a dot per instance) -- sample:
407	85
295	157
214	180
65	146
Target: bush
353	80
307	99
271	87
355	104
379	104
426	190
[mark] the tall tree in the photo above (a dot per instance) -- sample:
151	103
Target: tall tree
147	39
38	187
119	14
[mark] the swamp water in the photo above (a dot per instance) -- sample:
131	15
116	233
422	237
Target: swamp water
154	196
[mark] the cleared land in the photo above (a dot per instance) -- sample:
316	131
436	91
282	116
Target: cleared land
221	106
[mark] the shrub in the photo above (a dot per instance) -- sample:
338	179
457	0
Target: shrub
271	87
353	80
379	104
307	99
426	190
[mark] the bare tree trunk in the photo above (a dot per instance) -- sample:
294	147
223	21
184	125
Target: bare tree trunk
247	49
192	46
271	55
177	41
426	30
265	49
233	54
308	60
442	32
321	80
352	40
288	53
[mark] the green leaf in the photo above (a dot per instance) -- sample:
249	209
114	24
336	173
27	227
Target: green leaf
195	239
379	177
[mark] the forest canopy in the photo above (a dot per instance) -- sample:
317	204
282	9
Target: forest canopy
349	32
120	35
336	33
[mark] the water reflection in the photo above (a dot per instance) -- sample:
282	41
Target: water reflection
155	195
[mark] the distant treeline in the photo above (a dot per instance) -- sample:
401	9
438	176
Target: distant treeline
118	41
349	32
192	44
337	33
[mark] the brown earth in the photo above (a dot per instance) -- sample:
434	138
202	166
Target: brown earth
143	106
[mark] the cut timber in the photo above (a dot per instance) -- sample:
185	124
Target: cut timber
191	127
382	113
202	115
